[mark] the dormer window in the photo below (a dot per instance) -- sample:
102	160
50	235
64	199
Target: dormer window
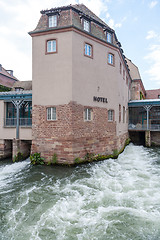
109	37
18	89
86	25
52	21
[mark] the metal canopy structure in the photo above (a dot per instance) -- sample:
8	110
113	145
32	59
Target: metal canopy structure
16	95
17	98
139	103
144	115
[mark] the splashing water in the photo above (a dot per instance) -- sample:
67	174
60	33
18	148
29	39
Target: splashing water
114	199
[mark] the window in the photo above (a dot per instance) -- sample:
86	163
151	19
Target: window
110	115
88	51
120	68
158	96
51	113
52	20
119	113
123	74
87	112
126	80
111	58
25	114
123	114
86	25
52	46
109	37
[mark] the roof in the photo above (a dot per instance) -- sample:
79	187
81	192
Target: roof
81	8
26	85
7	74
153	94
134	71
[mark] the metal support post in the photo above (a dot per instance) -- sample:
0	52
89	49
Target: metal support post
17	104
147	108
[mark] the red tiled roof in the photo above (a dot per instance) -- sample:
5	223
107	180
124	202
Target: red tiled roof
152	94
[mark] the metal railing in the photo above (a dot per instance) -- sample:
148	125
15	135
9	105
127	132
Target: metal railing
12	122
140	127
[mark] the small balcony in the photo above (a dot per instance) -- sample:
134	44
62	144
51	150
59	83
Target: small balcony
12	122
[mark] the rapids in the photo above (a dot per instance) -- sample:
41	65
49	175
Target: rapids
109	200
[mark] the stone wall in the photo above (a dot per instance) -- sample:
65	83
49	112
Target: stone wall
70	136
155	138
21	146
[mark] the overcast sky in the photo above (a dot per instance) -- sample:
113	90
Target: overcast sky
136	23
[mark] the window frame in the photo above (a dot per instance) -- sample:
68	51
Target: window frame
88	29
120	116
126	79
124	74
120	68
112	63
51	40
53	21
51	114
124	114
90	45
109	37
88	114
110	115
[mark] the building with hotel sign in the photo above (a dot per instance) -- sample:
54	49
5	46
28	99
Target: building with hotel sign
81	87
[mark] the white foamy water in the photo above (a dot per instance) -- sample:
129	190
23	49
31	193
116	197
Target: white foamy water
114	199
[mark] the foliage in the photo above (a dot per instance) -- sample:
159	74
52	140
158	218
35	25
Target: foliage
36	159
89	157
127	142
78	160
54	158
115	153
4	88
18	157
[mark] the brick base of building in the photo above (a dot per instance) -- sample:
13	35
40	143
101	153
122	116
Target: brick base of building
5	148
70	136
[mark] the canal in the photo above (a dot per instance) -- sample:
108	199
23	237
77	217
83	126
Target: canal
109	200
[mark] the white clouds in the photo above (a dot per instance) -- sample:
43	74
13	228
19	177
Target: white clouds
153	4
151	34
97	6
153	59
114	25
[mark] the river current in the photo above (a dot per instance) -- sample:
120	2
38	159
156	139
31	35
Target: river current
109	200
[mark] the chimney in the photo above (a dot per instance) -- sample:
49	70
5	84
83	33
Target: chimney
10	72
0	67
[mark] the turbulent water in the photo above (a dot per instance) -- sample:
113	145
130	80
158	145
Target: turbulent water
114	199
